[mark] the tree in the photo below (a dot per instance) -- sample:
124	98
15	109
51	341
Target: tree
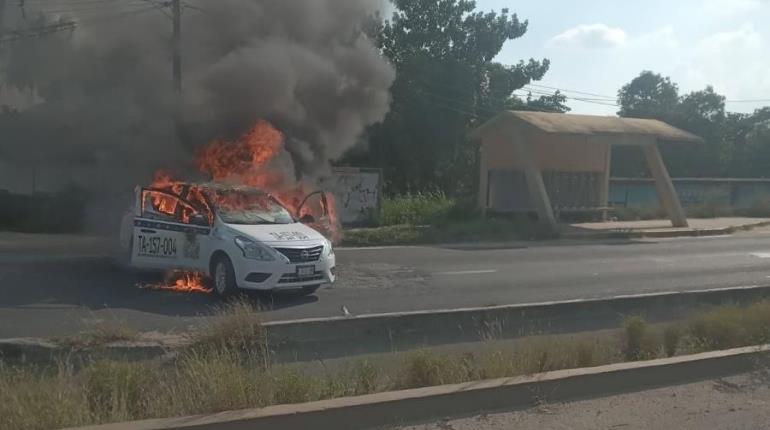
447	82
734	144
702	113
751	152
649	95
653	96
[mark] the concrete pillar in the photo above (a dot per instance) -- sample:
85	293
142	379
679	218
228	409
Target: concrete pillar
666	192
535	184
483	181
604	184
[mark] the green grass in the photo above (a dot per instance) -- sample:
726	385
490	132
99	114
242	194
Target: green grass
415	209
227	368
425	218
471	230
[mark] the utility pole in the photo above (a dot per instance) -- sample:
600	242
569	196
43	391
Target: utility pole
176	68
2	17
176	44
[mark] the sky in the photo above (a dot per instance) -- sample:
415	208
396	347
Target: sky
597	46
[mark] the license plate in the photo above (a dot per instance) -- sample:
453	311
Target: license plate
305	271
155	246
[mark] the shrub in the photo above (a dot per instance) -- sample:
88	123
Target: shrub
671	336
416	209
639	342
719	328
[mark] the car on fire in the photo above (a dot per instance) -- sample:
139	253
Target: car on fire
240	237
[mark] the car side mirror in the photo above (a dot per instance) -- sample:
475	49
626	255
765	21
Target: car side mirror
307	219
199	219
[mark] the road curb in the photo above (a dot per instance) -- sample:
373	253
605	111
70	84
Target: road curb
424	404
310	339
333	337
32	350
721	231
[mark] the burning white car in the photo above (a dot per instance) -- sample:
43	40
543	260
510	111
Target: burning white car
240	237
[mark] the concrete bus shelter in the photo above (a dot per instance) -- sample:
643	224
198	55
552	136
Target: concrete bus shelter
563	161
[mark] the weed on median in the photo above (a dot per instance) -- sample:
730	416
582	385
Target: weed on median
227	367
98	334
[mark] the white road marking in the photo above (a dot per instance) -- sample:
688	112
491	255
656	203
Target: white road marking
368	248
467	272
761	254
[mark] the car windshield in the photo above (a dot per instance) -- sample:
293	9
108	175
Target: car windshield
248	206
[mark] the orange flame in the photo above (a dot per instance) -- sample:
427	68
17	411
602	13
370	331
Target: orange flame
182	282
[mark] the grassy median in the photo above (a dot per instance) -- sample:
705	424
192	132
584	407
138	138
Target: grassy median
425	218
227	366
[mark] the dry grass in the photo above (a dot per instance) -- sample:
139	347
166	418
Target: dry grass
216	376
98	334
236	326
640	342
730	326
227	367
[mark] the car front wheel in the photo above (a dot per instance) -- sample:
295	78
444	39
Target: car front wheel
224	277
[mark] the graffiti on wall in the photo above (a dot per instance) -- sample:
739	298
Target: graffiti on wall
357	192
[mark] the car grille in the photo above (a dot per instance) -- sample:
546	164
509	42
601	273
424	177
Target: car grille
302	255
291	278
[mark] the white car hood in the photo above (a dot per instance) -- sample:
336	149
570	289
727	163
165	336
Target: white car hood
290	235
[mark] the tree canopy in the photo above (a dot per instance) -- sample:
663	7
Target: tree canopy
735	145
447	82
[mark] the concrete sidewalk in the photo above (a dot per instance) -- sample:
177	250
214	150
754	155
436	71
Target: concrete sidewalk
735	403
661	228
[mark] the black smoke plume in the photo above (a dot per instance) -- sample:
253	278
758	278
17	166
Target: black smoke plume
104	97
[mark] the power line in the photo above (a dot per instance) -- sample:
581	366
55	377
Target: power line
575	92
70	25
38	32
580	99
749	101
100	8
607	98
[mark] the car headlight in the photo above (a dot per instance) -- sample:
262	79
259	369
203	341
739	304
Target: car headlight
253	250
328	249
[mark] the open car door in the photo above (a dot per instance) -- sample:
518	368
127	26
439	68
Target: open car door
167	232
316	210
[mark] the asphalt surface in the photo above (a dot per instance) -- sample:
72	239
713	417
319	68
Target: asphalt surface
53	286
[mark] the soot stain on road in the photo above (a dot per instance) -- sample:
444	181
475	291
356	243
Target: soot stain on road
379	276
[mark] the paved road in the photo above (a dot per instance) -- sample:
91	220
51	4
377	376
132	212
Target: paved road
736	403
55	286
